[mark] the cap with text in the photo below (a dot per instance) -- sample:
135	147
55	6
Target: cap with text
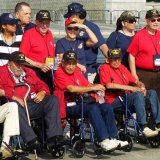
69	56
115	53
43	15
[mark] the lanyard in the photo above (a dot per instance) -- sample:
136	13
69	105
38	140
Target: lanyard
154	42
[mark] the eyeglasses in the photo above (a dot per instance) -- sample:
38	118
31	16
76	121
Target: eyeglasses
155	19
73	28
131	21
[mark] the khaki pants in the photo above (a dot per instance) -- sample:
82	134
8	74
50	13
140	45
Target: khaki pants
9	115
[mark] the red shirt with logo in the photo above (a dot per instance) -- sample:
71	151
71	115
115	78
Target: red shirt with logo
62	80
143	46
119	75
37	46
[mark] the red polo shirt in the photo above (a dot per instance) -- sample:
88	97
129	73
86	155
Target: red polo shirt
119	75
143	46
62	80
36	46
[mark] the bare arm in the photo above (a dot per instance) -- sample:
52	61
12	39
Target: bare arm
123	87
104	49
92	37
82	89
44	67
132	66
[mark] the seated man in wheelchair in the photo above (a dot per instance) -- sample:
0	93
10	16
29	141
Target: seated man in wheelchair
117	79
9	116
69	78
40	102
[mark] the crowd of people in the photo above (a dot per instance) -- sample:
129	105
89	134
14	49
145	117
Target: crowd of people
27	53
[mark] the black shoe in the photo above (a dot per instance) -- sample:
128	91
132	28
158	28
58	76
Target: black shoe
58	140
33	144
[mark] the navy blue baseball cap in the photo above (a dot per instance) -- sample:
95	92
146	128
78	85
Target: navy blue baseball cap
74	8
7	18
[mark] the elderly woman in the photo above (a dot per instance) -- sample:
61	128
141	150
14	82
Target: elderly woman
9	42
72	42
121	38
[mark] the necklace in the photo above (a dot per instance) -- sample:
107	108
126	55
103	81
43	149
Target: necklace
129	34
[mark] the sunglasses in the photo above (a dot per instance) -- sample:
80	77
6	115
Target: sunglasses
73	28
154	20
131	21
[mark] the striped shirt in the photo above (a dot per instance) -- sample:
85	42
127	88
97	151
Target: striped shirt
8	49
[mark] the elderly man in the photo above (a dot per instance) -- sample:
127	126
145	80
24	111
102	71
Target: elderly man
23	14
116	78
38	46
40	102
144	52
77	10
68	77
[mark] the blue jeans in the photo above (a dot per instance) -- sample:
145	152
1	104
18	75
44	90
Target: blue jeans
137	103
101	117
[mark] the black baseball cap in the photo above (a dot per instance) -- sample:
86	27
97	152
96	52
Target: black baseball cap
74	8
69	56
43	15
7	18
152	13
115	53
17	57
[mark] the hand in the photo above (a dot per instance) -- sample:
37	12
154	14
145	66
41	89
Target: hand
45	67
19	100
82	67
140	84
79	25
2	92
39	96
98	87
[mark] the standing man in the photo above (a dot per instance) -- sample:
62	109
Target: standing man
144	57
23	14
38	46
76	9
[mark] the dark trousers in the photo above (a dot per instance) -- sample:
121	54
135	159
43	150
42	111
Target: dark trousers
47	109
46	77
101	117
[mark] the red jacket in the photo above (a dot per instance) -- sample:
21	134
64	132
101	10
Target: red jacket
7	83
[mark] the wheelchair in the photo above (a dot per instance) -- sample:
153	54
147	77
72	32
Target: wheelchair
130	125
38	126
81	131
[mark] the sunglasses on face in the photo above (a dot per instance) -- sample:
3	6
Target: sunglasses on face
131	21
72	28
155	19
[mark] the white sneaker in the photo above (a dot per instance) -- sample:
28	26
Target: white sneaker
108	145
121	143
149	133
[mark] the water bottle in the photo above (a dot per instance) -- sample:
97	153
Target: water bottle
100	97
56	62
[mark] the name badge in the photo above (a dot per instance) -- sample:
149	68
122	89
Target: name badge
50	61
156	60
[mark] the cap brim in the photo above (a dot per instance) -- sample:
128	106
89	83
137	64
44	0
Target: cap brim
112	57
41	20
14	21
67	15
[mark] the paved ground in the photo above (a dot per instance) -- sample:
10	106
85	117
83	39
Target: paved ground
139	152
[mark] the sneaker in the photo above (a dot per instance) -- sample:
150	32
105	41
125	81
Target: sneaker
122	144
149	133
157	129
108	145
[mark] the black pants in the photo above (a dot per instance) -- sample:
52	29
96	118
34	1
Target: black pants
49	110
46	77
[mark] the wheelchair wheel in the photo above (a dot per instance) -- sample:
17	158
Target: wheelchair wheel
127	138
58	152
154	141
78	149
